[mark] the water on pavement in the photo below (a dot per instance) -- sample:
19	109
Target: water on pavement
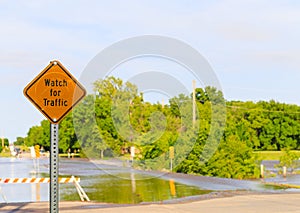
114	184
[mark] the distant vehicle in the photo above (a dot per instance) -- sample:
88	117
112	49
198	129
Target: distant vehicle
14	151
42	152
18	150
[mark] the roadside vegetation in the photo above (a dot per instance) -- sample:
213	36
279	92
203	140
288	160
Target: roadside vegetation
253	131
274	155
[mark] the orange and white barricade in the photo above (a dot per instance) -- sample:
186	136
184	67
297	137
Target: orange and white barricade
71	179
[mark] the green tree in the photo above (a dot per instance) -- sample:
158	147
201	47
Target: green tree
201	96
289	160
67	136
34	136
117	117
233	159
88	134
114	97
5	143
20	141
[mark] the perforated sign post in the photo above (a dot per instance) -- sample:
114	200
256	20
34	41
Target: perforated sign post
54	92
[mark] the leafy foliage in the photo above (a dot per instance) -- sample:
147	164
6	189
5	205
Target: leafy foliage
289	160
5	143
117	117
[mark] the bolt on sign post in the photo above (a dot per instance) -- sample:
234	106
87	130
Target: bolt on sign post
54	92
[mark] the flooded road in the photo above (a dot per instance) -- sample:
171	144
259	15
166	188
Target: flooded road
102	183
21	168
113	183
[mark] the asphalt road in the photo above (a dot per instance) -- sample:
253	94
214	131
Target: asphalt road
264	203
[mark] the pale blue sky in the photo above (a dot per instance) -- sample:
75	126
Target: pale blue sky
252	45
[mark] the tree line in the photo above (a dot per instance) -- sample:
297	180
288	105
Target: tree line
116	118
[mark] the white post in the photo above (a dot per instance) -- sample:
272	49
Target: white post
261	170
132	154
284	171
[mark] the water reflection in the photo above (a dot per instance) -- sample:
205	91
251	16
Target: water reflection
139	188
22	168
133	184
125	186
172	188
122	185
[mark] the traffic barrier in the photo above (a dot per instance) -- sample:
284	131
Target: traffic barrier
72	179
38	180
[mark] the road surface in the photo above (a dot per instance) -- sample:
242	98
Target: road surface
264	203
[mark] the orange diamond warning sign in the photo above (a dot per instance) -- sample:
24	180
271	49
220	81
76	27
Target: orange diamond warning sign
54	91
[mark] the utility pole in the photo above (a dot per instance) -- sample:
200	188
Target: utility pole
2	139
194	103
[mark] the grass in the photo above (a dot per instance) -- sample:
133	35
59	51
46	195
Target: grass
283	185
272	155
5	154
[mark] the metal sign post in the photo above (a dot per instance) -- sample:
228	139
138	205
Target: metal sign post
54	193
54	92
